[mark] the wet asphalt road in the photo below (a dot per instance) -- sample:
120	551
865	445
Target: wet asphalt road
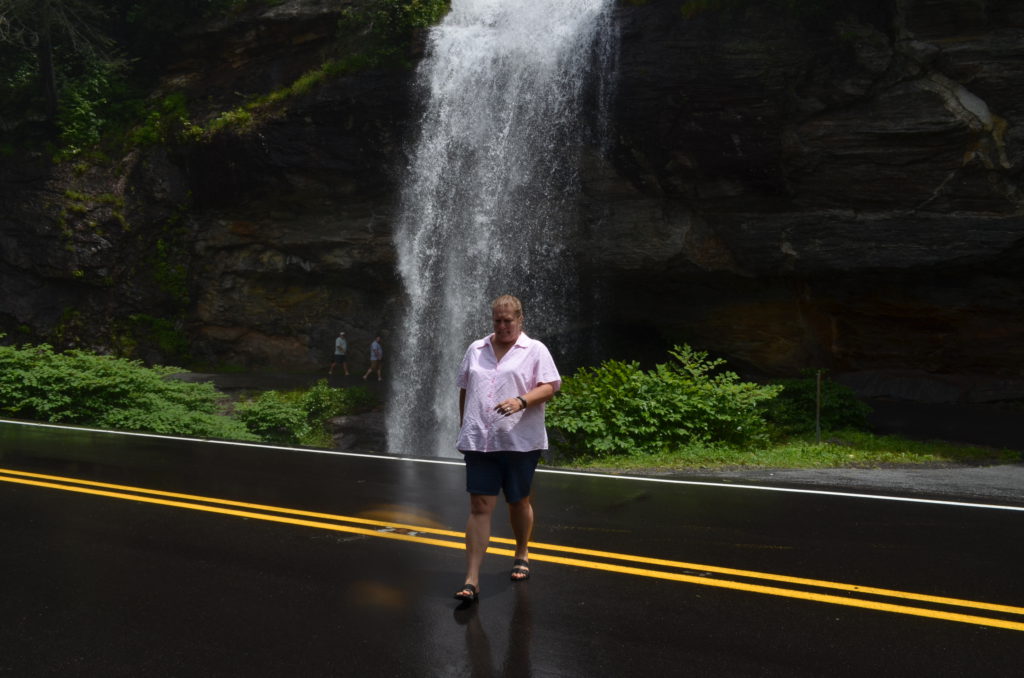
709	580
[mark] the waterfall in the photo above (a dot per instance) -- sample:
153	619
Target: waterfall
511	92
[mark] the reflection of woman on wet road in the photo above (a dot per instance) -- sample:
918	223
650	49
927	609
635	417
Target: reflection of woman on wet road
505	379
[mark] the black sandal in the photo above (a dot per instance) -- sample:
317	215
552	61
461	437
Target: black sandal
467	594
520	567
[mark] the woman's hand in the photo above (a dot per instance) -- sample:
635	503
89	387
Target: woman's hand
541	393
509	406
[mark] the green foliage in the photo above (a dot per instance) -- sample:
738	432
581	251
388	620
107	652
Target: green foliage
307	81
322	402
843	449
273	418
166	121
244	118
77	387
394	20
96	101
107	55
382	30
80	205
792	413
618	408
299	417
63	67
399	17
238	118
84	103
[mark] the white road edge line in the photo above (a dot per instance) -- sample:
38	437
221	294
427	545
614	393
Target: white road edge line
456	462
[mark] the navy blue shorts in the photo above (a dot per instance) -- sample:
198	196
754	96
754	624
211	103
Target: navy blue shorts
493	472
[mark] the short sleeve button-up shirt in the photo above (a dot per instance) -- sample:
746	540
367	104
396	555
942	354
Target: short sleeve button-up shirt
487	381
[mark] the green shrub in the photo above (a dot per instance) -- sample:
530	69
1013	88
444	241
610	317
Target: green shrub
299	417
274	419
792	413
83	106
77	387
321	401
163	122
618	408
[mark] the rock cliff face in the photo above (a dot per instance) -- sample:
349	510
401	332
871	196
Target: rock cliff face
838	190
836	187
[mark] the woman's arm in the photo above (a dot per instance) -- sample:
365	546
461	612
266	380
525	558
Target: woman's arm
541	393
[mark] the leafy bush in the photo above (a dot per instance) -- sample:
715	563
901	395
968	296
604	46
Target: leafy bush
792	413
85	105
78	387
618	408
163	122
299	417
322	402
274	419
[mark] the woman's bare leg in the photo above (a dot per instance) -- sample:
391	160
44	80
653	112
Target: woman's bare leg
520	514
478	534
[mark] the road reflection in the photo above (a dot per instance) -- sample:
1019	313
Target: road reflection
516	662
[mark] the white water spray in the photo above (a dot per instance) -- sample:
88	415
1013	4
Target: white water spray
513	89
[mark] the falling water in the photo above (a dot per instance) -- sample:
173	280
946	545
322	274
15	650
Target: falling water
512	90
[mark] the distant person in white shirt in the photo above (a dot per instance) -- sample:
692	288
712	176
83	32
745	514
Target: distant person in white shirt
340	353
504	381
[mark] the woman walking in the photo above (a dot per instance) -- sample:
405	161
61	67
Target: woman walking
504	381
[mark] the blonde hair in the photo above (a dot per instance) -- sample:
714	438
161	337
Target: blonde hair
508	301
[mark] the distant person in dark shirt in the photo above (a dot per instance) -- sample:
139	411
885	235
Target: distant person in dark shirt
376	357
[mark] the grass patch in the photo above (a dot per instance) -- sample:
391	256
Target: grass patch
843	449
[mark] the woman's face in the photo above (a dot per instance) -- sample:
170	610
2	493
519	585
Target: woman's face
506	325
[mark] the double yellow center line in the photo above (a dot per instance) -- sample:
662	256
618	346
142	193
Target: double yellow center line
935	607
